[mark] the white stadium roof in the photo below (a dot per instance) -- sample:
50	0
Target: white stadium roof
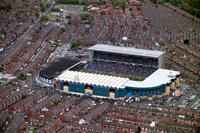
159	77
126	50
94	79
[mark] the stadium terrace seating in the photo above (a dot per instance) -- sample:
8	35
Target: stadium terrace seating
126	58
123	69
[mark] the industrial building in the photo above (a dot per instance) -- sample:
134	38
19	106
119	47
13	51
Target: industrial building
101	85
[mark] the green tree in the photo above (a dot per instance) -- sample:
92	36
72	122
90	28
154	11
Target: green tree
24	96
186	7
102	13
175	2
21	76
83	3
55	102
43	6
55	9
36	14
73	2
62	28
68	16
1	69
117	3
85	8
85	14
198	13
195	3
160	2
6	8
74	44
44	18
138	8
31	12
123	4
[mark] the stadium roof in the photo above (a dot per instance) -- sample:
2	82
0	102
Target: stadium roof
93	79
57	68
126	50
159	77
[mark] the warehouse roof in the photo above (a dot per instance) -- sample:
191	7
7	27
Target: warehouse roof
159	77
91	78
126	50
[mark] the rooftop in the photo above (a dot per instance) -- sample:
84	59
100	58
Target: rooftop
126	50
91	78
159	77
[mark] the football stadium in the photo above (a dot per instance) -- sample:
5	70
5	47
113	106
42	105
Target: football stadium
114	72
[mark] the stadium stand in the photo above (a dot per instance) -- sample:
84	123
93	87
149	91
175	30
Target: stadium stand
56	68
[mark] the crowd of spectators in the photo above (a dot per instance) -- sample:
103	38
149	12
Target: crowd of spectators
126	58
123	69
123	65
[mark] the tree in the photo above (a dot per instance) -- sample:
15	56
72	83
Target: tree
57	19
24	96
175	2
73	2
43	6
198	13
85	14
186	7
5	7
68	16
31	12
83	3
195	4
55	102
123	4
74	44
160	2
138	8
1	69
36	14
22	76
62	28
85	8
117	3
55	9
44	18
103	13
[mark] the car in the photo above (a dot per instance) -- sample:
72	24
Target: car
26	117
